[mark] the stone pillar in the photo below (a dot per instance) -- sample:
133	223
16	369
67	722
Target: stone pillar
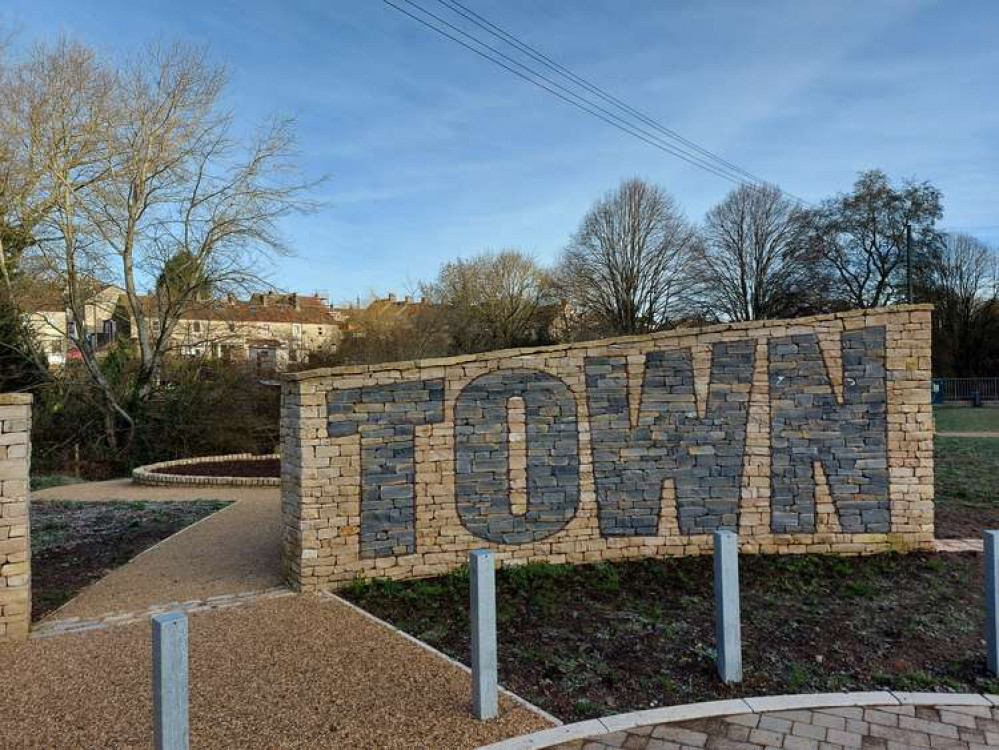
15	550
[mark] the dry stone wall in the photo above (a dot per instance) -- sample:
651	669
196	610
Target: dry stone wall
15	552
806	435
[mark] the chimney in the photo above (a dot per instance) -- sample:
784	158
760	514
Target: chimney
230	298
391	297
409	299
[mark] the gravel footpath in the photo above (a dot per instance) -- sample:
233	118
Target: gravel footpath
293	672
236	549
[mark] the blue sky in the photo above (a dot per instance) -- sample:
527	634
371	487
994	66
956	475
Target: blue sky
434	153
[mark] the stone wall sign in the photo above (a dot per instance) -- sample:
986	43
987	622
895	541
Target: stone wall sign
812	434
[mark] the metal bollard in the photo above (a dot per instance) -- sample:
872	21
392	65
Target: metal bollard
170	681
482	575
992	599
728	627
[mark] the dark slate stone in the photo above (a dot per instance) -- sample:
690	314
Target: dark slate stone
388	473
482	485
631	464
850	440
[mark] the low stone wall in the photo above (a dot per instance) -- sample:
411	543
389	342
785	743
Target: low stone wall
148	474
15	549
807	435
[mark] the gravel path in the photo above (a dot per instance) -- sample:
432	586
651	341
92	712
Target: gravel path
294	672
968	434
236	549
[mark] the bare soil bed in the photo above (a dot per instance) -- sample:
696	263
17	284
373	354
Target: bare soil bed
75	543
591	640
264	467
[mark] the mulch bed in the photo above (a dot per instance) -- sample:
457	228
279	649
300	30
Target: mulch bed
590	640
75	543
264	467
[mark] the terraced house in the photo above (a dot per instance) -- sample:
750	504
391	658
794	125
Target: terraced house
270	330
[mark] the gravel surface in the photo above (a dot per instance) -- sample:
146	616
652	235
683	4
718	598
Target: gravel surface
292	672
236	549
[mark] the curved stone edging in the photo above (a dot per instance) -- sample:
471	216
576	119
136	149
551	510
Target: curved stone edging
147	475
593	728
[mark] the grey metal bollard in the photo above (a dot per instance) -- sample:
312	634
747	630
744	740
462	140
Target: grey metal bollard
728	627
992	599
170	681
482	574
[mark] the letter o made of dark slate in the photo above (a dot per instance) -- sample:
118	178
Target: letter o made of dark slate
482	456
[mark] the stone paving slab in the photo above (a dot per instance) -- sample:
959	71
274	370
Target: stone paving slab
908	720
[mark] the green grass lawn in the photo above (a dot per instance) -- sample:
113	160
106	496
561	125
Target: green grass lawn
966	419
967	486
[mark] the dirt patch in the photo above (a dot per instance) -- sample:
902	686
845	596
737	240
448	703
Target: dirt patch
264	467
590	640
76	543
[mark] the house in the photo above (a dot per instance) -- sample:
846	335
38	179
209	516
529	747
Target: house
269	329
105	316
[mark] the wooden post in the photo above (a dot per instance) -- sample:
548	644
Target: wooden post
170	681
482	575
728	627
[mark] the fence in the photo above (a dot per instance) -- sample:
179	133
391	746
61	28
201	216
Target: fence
964	389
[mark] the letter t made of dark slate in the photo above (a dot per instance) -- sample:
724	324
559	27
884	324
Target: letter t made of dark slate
482	577
727	618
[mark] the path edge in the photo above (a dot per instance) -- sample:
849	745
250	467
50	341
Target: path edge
593	728
523	702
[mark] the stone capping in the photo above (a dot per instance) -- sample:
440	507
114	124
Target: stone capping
148	475
15	399
673	333
593	728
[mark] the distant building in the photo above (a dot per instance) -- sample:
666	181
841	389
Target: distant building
268	330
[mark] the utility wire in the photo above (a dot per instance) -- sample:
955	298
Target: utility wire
702	157
560	91
547	61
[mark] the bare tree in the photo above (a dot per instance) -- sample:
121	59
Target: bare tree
966	317
754	260
623	268
132	168
493	300
862	237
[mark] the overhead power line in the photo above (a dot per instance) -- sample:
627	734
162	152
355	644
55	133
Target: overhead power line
626	118
547	61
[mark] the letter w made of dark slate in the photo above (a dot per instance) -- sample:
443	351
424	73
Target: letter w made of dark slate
704	457
385	416
850	440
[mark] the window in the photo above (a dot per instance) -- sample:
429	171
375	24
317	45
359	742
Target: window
108	329
196	326
71	329
232	328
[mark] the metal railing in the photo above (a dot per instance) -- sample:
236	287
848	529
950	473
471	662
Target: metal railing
964	389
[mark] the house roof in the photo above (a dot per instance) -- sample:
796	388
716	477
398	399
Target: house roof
260	308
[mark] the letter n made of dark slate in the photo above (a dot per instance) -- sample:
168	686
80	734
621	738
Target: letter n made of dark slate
704	457
809	425
385	417
482	456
